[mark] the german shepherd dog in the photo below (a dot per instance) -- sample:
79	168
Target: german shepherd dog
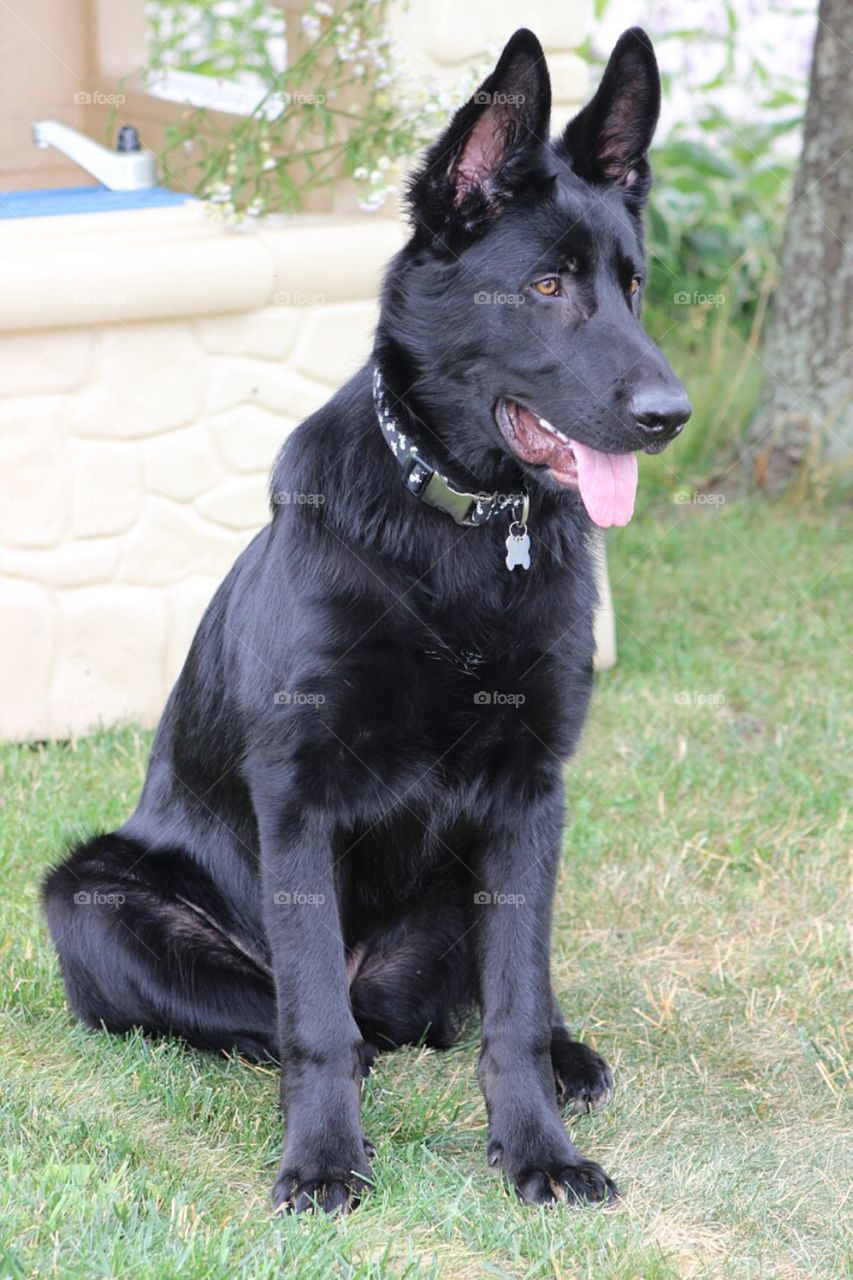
351	823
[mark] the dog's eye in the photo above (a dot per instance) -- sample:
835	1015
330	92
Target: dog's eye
636	283
548	286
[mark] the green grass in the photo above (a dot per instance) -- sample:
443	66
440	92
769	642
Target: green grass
700	943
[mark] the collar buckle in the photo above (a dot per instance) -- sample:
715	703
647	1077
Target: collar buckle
431	487
428	484
464	508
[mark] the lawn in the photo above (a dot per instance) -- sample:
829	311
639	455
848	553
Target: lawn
701	943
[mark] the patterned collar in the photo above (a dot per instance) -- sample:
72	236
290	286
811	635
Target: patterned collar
422	478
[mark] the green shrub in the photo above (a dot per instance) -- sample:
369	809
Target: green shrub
716	219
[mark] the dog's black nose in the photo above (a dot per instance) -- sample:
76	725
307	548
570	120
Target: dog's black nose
659	413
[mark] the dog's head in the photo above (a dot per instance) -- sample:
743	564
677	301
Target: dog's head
512	317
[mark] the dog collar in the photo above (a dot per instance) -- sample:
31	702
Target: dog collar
422	478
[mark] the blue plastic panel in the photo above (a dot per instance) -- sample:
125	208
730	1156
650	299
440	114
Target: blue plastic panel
64	200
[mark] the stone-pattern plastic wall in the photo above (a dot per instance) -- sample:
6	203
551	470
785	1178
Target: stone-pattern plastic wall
134	461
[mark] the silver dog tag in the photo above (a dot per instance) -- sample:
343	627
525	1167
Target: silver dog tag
517	547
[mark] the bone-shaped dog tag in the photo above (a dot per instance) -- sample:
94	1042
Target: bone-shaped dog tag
518	547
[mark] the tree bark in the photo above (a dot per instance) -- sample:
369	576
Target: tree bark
805	417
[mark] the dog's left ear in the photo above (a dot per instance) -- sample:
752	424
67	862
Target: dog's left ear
607	142
489	146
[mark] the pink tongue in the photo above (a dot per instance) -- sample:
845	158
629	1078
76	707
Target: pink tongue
608	484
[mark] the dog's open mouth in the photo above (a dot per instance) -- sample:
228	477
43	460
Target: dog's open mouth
607	482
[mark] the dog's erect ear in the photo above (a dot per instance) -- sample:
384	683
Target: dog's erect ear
607	141
489	146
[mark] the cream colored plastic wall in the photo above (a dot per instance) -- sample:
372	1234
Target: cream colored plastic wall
135	450
150	366
445	39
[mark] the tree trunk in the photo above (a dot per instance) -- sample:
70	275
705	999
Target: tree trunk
805	417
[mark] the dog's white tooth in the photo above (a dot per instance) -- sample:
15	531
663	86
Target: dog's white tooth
549	426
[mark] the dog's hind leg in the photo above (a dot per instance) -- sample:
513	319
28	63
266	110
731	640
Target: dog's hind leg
583	1079
145	939
413	983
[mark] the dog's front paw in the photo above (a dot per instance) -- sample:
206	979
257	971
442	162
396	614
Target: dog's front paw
583	1079
330	1184
537	1158
565	1178
574	1184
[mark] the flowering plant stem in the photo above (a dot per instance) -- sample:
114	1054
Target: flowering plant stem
340	109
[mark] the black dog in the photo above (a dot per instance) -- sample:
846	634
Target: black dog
351	823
